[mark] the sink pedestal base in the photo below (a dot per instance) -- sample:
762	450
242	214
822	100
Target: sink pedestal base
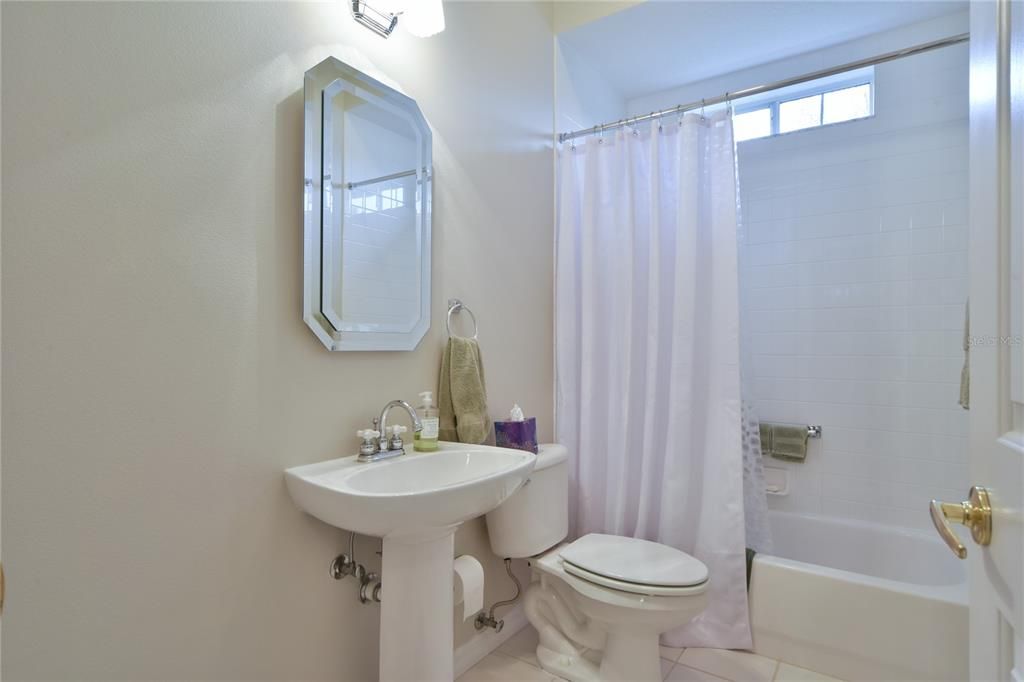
416	641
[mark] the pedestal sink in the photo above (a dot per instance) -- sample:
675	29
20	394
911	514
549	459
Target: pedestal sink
414	502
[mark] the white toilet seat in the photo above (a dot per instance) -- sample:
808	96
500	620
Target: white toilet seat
633	565
635	588
553	564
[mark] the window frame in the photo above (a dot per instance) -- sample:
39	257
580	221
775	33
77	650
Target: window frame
816	87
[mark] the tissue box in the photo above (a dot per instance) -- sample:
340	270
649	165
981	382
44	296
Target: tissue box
519	435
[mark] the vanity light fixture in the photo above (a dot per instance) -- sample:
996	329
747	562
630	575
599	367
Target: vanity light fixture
381	23
422	18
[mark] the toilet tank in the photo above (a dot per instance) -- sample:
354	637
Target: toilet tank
536	517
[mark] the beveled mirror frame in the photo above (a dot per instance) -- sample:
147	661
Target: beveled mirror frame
315	239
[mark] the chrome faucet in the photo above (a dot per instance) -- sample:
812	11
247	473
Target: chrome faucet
383	446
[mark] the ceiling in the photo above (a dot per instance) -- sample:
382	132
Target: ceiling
661	44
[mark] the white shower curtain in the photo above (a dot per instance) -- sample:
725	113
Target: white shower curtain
647	350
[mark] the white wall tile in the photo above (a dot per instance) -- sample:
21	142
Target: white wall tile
854	273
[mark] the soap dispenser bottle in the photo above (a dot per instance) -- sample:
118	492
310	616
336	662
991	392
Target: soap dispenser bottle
425	440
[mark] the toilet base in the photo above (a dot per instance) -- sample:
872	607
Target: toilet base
572	667
590	633
583	649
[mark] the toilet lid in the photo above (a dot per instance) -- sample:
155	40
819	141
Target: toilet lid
635	561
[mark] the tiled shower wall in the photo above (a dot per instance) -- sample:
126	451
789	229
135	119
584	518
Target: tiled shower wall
855	271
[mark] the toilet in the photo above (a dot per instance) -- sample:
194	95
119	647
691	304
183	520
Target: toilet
599	603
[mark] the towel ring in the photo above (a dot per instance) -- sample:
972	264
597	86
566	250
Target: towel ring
454	306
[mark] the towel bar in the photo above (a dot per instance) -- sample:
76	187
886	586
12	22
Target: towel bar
454	306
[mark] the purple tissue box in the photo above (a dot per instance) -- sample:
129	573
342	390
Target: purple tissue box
519	435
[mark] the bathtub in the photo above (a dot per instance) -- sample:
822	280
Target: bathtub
860	601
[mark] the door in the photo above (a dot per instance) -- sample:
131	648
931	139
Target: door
997	353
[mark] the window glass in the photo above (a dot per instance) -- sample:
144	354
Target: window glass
797	114
847	104
751	124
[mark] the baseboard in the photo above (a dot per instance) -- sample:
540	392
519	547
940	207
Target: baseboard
483	643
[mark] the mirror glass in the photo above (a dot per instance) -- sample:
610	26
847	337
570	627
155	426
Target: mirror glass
367	212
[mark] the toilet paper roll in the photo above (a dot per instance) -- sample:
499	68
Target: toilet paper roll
469	585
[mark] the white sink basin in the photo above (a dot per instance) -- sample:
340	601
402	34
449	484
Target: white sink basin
410	494
414	502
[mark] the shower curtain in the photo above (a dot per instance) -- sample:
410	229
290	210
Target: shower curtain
648	350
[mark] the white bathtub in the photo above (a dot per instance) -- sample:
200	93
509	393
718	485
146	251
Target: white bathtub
860	601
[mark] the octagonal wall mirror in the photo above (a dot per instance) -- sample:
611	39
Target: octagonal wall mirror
367	195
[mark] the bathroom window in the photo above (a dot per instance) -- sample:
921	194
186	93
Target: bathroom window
751	124
847	97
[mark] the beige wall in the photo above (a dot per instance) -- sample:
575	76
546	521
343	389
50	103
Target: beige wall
157	374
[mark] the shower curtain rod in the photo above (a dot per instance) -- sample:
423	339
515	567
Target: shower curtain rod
767	87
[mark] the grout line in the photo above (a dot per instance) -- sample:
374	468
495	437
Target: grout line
852	174
857	282
849	308
817	380
858	207
842	405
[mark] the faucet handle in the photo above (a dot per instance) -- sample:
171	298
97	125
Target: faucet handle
369	444
395	443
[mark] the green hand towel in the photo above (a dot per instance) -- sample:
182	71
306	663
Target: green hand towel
789	442
462	393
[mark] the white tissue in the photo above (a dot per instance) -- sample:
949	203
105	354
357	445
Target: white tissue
516	413
469	585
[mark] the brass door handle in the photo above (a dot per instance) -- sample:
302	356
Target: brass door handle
975	513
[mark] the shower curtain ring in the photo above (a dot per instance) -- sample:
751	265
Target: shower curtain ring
701	108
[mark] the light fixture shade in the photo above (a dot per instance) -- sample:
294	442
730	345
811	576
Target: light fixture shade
423	18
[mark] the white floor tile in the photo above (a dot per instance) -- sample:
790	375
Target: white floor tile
682	673
498	666
666	667
791	673
735	666
671	653
523	645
